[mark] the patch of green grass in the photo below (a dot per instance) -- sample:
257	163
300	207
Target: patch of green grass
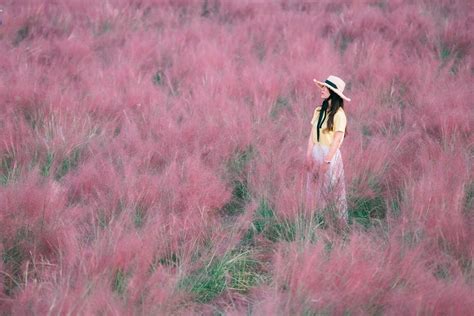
444	52
236	271
441	272
283	230
469	197
268	225
395	203
237	168
279	230
13	255
119	282
139	216
13	258
240	197
67	164
206	283
366	209
263	216
103	28
320	220
455	53
366	131
46	167
243	271
8	169
21	34
158	78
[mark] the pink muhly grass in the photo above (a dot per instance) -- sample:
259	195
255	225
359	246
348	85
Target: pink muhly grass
128	129
345	280
3	274
452	127
362	278
96	297
420	285
279	176
189	210
15	149
124	265
92	183
30	205
38	235
371	160
156	293
436	202
195	188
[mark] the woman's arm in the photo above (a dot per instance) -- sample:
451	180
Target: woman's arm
338	137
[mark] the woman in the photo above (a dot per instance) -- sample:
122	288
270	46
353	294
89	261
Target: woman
323	158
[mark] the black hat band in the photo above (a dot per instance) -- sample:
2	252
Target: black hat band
331	84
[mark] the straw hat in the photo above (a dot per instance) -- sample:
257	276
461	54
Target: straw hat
334	83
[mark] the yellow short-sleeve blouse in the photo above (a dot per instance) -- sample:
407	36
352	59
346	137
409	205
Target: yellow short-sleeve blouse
326	137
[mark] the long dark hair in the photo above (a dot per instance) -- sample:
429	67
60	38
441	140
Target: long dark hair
336	103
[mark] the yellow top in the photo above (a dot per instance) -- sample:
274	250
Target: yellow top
326	137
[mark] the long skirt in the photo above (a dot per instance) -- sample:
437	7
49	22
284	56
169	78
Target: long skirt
327	191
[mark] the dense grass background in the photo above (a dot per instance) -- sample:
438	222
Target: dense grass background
151	157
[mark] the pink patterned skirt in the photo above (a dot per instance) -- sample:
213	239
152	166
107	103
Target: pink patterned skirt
327	191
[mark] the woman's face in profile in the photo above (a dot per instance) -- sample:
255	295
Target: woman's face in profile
324	92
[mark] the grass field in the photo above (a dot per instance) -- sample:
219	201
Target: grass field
152	158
